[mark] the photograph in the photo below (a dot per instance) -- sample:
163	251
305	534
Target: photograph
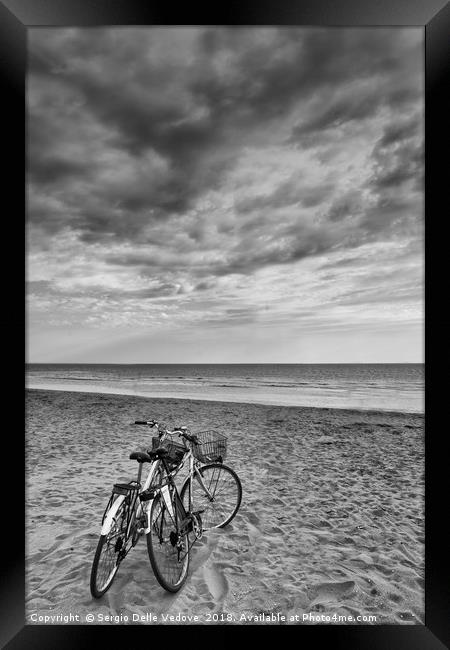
225	379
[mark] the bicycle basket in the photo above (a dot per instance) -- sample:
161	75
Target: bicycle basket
212	446
176	451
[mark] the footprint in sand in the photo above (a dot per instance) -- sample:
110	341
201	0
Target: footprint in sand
330	591
396	598
253	519
216	582
220	566
404	551
253	530
203	551
115	601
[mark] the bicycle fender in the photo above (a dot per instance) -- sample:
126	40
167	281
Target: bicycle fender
146	510
106	527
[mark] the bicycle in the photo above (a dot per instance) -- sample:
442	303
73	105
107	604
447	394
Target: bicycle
210	497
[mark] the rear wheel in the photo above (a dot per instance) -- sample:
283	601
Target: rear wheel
168	549
218	499
109	554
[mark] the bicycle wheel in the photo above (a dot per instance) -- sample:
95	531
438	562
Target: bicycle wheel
109	554
222	498
168	550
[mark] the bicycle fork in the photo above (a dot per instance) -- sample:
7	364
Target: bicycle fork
203	485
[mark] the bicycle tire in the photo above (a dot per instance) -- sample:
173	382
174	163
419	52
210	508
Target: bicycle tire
107	555
226	489
170	564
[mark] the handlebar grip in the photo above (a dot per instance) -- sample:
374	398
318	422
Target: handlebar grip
191	438
140	422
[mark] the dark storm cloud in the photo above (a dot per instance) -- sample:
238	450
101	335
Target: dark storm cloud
390	216
278	69
398	156
204	285
131	127
403	130
353	107
292	243
45	170
348	205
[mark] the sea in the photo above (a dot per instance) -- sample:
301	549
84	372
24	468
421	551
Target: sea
386	387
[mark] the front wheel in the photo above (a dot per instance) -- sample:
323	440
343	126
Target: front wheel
216	495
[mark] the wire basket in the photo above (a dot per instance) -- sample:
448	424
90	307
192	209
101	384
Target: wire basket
175	450
211	446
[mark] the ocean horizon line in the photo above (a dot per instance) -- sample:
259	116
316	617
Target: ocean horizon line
231	363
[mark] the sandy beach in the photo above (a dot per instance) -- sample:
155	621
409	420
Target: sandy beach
331	521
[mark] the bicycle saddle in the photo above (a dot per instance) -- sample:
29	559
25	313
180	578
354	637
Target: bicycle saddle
141	457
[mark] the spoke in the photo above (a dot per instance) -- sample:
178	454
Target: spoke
169	558
108	560
217	495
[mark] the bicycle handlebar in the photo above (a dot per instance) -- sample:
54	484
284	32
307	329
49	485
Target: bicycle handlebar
190	438
149	423
181	430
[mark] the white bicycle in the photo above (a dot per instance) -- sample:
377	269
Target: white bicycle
172	520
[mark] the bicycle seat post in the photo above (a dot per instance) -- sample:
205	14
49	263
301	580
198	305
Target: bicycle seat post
139	472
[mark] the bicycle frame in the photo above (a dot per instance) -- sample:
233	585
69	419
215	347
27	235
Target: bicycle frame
111	513
144	507
165	493
193	471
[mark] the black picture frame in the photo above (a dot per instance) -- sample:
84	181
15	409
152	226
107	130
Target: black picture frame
16	16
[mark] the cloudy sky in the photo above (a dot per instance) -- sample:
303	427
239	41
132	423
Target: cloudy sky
225	195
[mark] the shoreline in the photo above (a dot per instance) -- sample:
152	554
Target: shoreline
85	390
